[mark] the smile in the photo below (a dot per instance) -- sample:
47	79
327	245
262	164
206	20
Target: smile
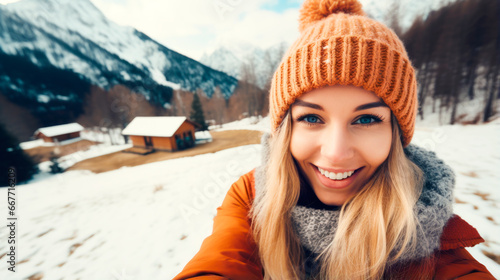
336	176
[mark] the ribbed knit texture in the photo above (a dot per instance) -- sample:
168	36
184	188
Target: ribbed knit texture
345	48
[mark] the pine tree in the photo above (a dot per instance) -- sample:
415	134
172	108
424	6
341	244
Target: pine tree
55	168
197	112
13	156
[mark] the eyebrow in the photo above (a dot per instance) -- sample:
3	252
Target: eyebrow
303	103
371	105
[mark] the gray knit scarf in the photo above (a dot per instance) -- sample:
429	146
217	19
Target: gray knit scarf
316	227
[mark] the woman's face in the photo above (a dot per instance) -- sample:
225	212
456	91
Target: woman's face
340	136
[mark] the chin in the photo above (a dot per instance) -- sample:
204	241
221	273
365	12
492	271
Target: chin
335	201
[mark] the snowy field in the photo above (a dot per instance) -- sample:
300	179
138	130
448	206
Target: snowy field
146	222
251	123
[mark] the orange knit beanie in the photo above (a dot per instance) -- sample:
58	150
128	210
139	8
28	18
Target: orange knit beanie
339	45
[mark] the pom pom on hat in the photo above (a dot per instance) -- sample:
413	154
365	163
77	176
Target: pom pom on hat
315	10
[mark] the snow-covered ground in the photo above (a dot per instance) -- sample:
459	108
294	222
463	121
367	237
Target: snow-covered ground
110	136
468	111
251	123
40	143
109	142
203	136
147	222
69	160
473	153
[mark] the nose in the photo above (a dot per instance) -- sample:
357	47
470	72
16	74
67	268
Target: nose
337	145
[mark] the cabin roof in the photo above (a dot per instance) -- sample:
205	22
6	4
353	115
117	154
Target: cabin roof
51	131
154	126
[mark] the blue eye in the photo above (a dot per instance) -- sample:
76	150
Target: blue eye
368	119
311	119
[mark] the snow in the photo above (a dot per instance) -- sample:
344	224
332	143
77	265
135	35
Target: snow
40	143
116	217
154	126
203	136
125	75
467	111
110	136
160	79
61	97
31	144
472	151
251	123
94	151
43	98
148	221
51	131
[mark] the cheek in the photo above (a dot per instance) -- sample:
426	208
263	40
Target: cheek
378	146
300	145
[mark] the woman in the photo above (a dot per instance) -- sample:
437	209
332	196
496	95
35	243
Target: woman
341	194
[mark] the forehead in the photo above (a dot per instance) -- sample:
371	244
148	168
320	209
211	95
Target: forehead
337	96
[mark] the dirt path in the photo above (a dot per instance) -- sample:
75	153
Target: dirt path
221	140
40	154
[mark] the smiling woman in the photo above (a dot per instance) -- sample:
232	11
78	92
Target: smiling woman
340	145
341	192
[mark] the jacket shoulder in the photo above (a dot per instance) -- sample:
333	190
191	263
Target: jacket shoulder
248	180
457	233
244	188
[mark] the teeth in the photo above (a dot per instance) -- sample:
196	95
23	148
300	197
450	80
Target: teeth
335	176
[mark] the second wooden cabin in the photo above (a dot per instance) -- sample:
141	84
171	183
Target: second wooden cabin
59	133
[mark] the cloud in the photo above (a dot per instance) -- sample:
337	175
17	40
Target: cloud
5	2
193	27
261	28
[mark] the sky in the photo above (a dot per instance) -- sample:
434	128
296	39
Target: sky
195	27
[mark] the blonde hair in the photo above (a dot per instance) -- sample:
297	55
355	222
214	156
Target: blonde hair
375	226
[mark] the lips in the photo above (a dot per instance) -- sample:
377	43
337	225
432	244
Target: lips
334	175
336	179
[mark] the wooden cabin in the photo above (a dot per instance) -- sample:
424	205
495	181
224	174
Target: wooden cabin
161	133
59	133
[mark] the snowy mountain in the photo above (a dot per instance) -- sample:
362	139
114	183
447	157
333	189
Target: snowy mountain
231	60
224	60
76	36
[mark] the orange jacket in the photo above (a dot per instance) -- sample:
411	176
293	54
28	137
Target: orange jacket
231	253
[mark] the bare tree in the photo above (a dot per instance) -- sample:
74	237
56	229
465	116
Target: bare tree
249	81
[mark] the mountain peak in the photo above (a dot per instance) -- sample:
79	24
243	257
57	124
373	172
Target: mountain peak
66	14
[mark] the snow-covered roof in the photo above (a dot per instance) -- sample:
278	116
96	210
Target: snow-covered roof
154	126
51	131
